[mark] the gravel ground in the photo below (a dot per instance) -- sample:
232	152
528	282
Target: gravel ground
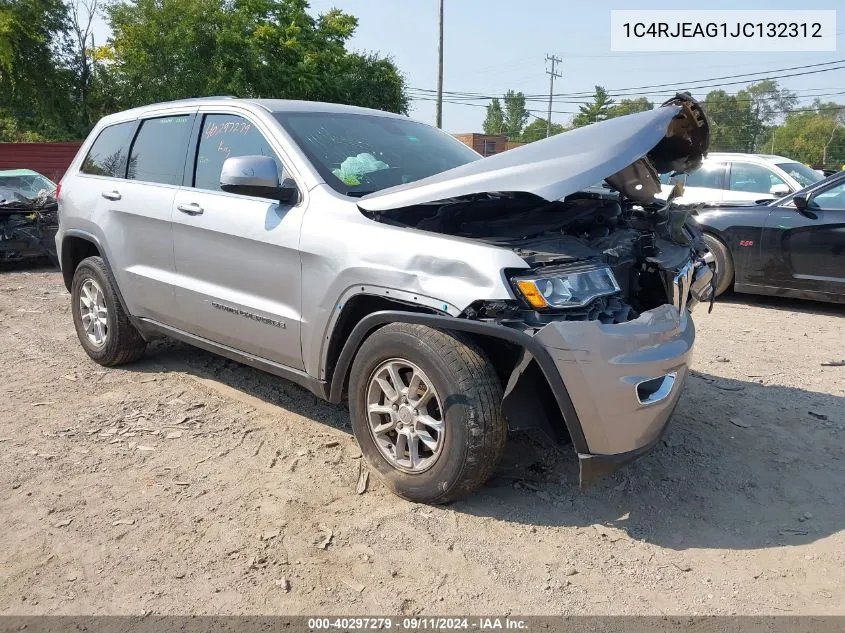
188	484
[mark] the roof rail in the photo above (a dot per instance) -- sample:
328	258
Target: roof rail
209	97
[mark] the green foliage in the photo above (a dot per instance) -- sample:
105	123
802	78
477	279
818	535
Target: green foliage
740	122
629	106
33	80
728	122
516	114
170	49
814	138
536	130
510	120
494	122
55	83
596	111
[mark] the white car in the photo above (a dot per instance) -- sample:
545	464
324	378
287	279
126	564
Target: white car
725	178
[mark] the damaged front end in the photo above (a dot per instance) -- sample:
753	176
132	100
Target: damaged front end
611	274
28	228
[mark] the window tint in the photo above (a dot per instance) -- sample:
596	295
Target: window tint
753	178
107	156
708	175
225	136
830	199
158	153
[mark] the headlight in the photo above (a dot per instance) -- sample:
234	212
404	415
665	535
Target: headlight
567	288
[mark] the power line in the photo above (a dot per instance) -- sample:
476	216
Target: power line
619	91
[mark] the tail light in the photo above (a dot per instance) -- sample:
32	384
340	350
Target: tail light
58	191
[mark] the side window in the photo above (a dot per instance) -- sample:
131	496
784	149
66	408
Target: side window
831	199
107	156
709	175
158	152
224	136
752	178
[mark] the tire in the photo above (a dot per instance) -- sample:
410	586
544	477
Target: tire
466	401
724	263
120	342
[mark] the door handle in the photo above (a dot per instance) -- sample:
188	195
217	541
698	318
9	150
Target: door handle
111	195
190	209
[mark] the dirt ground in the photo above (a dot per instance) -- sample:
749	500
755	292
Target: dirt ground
188	484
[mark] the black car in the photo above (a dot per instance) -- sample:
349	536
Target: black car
791	247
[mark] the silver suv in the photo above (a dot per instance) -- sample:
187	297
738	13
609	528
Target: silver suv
366	256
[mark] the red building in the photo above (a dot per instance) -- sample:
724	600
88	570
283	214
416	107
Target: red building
50	159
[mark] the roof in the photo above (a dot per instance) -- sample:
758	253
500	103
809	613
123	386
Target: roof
752	158
268	105
287	105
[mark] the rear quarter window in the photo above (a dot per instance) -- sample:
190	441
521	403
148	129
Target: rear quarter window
107	156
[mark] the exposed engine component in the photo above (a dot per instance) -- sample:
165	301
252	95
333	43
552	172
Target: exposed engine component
646	246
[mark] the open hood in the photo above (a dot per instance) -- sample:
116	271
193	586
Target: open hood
627	152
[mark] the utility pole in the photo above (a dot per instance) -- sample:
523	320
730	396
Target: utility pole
440	71
826	145
552	74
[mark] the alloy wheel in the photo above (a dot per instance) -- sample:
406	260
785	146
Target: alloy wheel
405	416
93	312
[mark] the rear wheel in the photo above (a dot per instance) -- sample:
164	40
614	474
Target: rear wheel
103	328
723	261
426	411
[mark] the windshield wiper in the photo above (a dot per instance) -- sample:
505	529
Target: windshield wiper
358	194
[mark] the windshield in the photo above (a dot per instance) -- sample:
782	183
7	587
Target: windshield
800	172
15	187
358	154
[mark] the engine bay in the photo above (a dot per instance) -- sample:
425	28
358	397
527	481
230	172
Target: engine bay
645	246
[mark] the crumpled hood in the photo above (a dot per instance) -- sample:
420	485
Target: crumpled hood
627	152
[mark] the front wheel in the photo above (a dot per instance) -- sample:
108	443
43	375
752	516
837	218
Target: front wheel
426	411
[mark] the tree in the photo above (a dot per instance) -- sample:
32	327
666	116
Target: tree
629	106
370	81
763	102
595	111
494	122
728	122
813	137
516	115
170	49
81	59
33	79
536	130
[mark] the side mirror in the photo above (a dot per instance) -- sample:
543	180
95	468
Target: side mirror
801	202
256	176
780	190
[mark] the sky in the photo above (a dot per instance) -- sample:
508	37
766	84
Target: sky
491	46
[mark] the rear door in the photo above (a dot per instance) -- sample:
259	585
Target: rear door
807	251
750	181
237	257
129	179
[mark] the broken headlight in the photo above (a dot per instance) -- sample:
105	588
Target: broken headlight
567	287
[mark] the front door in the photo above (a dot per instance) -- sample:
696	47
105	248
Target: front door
238	271
807	250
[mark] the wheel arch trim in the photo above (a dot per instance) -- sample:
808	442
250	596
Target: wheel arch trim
68	274
376	320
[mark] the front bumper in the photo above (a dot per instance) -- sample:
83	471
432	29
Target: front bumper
624	381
